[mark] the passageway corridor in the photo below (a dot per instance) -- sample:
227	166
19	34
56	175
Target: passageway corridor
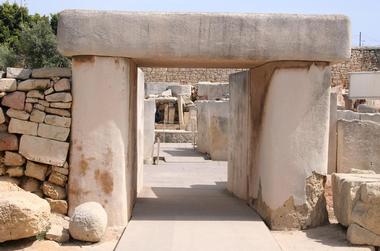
185	206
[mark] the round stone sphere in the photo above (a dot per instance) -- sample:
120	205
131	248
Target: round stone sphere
88	222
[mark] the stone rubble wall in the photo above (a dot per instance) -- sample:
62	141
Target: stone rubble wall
35	121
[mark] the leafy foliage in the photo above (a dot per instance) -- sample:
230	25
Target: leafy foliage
7	57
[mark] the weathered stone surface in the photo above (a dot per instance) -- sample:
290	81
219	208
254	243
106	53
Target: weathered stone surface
180	90
8	85
28	107
15	100
51	72
366	109
62	85
367	216
35	94
14	181
49	91
13	159
44	150
88	222
58	206
61	105
53	132
37	116
7	186
62	170
17	114
58	179
18	73
31	100
57	120
213	91
247	45
59	97
59	228
60	112
39	107
361	236
23	215
16	171
31	185
358	145
8	142
2	117
36	170
44	103
53	191
22	127
32	84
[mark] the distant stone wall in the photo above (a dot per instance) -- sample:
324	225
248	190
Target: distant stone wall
35	121
362	59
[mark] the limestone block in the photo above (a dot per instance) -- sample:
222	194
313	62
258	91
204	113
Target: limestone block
62	85
58	206
60	112
13	159
39	107
367	216
23	215
44	103
59	228
59	97
8	142
58	179
360	236
347	115
2	117
33	84
149	112
8	85
62	170
31	100
357	146
213	91
17	114
374	117
370	193
53	191
18	73
35	94
22	127
49	91
36	170
156	88
44	150
31	185
37	116
58	121
15	100
51	72
16	171
366	109
28	107
53	132
88	222
180	90
61	105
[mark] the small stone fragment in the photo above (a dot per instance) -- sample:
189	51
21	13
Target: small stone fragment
61	105
53	191
58	179
59	228
59	97
28	107
17	114
57	120
16	171
33	84
49	91
37	116
35	94
62	170
44	103
60	112
22	127
13	159
18	73
8	142
8	85
15	100
36	170
51	72
31	100
53	132
58	206
39	107
62	85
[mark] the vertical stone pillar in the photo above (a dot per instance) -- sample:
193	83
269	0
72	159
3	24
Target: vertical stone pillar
333	134
287	142
103	119
140	129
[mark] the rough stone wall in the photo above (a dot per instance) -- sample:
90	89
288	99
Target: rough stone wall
35	121
362	59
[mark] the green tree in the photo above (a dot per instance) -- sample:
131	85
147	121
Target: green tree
8	57
54	22
38	46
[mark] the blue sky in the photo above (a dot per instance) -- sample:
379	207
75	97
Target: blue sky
364	14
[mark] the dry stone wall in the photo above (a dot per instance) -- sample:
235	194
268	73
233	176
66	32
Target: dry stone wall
35	120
